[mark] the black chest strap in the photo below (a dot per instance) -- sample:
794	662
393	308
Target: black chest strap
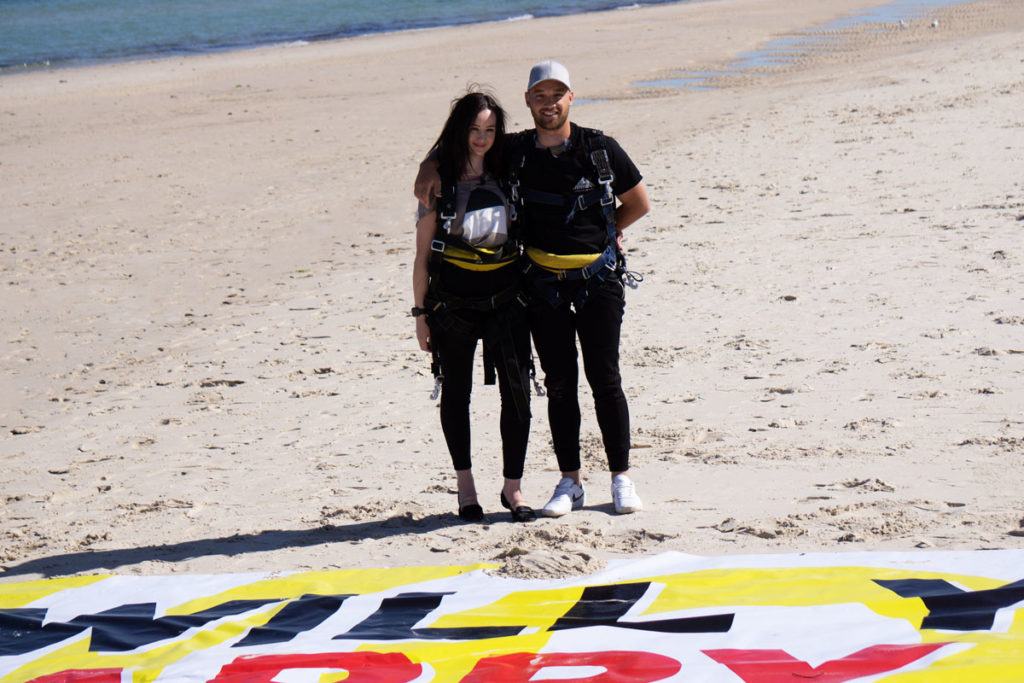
600	171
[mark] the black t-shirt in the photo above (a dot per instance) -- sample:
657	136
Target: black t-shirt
570	173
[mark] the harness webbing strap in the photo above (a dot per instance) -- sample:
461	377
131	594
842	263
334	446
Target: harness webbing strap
500	352
438	301
605	177
549	198
444	306
543	279
446	209
554	262
454	249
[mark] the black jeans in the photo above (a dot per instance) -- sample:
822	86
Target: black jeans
456	353
597	325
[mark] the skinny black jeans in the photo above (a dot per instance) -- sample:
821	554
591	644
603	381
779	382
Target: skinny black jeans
456	353
597	325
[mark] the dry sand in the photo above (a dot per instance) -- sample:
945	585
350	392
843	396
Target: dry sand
206	270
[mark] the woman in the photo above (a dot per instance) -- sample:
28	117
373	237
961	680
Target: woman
466	284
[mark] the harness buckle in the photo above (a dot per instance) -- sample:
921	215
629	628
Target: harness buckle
609	196
437	245
447	218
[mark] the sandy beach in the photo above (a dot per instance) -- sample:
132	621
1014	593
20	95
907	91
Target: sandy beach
206	263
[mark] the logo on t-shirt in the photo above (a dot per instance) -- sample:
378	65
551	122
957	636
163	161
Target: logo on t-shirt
583	185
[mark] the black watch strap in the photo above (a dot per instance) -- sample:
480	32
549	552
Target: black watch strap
417	311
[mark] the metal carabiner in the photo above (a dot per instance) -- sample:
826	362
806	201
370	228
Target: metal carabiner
537	386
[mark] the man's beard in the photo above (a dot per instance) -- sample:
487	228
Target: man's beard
542	122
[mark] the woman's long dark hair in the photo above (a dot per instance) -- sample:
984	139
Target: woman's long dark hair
453	144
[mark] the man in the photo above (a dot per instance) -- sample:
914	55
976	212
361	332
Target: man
579	191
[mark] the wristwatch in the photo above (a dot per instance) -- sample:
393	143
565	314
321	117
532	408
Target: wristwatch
417	312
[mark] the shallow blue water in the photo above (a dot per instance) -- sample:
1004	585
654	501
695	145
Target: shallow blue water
39	33
785	51
895	11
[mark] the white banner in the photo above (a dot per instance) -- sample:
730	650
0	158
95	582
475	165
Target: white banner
923	616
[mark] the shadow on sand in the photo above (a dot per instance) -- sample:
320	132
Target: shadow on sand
265	541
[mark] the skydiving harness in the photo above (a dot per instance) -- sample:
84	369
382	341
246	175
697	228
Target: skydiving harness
544	270
442	306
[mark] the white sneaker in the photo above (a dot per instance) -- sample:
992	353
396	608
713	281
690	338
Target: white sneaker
568	496
624	495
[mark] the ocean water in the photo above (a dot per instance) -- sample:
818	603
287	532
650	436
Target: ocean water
42	33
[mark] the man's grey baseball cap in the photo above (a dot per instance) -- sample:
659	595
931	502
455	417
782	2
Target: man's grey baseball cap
549	70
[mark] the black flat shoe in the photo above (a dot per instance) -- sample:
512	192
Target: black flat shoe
520	513
472	513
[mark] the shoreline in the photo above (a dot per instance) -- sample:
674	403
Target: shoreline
855	20
206	267
179	51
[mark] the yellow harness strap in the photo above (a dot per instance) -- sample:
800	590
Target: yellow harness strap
470	261
560	262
